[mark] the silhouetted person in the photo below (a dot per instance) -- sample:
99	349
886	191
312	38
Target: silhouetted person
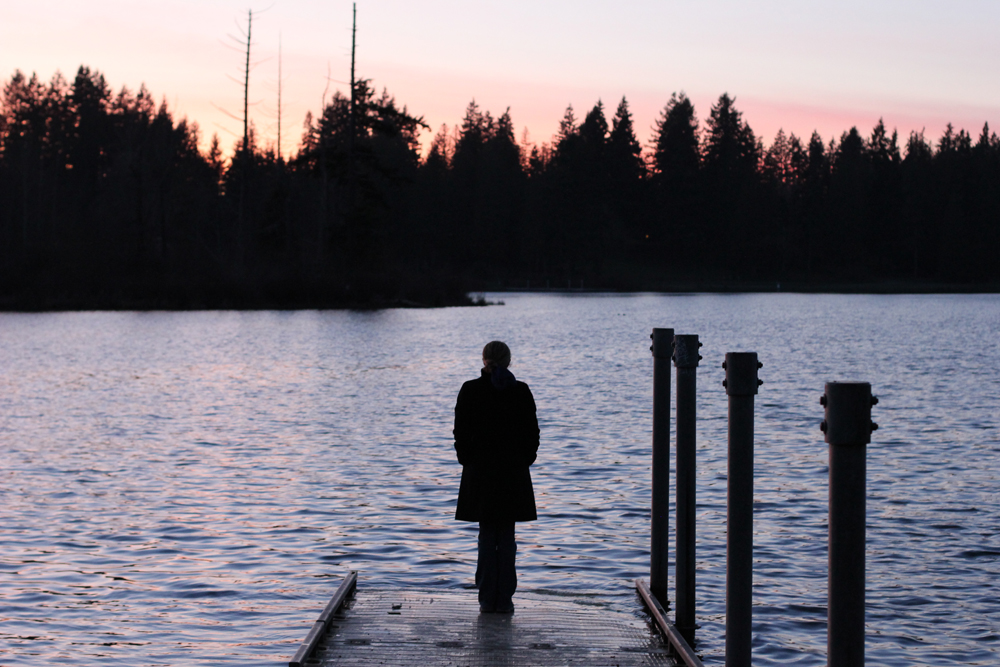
496	438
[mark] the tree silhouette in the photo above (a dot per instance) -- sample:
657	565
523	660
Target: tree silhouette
731	153
106	200
675	162
627	185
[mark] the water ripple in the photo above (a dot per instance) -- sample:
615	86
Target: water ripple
188	488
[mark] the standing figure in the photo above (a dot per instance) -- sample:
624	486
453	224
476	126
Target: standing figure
496	438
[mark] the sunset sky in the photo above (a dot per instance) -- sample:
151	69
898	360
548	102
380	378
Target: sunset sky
800	66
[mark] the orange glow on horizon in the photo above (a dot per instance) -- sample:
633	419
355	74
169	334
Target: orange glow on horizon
918	69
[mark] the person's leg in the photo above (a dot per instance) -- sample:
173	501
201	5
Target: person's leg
506	573
486	566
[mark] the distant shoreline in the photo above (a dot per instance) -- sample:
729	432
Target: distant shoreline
192	301
107	203
268	297
695	287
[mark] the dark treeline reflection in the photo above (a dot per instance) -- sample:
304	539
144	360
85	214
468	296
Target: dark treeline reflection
107	201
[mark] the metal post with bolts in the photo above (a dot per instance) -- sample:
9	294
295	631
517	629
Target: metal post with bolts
741	386
659	551
847	426
686	360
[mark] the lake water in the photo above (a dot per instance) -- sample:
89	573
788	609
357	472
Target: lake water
188	488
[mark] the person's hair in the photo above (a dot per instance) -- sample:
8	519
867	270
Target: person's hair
496	353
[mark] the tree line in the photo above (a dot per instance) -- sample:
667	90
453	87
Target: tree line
107	201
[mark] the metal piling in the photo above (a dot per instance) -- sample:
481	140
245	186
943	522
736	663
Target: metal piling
686	359
659	551
741	386
847	427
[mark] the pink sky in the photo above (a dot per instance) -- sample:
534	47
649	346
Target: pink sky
793	65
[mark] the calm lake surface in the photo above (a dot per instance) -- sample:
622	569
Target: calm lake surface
189	488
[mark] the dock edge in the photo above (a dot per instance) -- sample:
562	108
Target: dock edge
678	643
347	586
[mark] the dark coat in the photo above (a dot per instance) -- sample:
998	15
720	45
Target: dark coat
496	438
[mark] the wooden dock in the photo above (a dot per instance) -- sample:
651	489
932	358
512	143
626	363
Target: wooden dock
431	628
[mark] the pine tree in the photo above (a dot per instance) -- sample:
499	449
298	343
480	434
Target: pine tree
624	152
731	149
673	231
676	149
593	130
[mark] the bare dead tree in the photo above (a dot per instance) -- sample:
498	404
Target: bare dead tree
279	98
244	43
352	130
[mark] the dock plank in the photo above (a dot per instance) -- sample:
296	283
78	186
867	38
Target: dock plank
445	628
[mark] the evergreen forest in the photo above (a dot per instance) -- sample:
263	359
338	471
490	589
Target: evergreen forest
108	201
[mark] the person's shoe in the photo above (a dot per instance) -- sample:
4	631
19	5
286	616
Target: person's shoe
505	608
484	609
